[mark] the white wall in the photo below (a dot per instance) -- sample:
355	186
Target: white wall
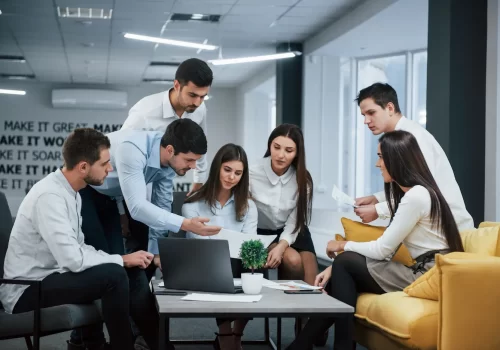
254	112
492	151
36	107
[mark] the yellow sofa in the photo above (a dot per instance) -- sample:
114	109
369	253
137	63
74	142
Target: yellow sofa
466	316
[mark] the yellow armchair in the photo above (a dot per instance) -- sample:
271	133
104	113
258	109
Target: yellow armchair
466	316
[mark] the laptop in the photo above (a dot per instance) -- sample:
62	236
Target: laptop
202	265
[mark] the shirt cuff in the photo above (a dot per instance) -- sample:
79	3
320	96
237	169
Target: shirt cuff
380	196
382	210
117	259
199	177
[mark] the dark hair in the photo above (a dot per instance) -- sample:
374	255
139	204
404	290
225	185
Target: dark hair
210	190
304	179
406	164
196	71
84	144
185	136
381	94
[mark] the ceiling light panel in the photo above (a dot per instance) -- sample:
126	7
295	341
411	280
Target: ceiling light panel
83	12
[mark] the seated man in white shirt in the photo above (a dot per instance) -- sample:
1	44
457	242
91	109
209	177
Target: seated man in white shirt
184	100
379	105
47	244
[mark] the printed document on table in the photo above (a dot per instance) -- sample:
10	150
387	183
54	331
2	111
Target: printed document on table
236	239
343	198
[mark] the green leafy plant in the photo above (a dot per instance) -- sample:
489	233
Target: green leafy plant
253	254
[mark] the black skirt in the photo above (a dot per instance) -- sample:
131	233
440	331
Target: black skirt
303	243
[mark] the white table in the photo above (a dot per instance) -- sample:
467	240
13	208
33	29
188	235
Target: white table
274	303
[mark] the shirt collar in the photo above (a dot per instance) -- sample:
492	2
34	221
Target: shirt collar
154	153
168	109
271	175
62	179
231	199
400	123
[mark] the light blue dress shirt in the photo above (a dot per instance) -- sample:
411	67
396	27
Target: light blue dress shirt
222	216
135	157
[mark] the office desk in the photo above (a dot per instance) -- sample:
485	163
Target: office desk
274	303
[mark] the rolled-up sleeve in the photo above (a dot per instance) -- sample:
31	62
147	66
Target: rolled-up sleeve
50	217
130	163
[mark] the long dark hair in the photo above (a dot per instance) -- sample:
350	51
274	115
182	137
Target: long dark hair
304	179
406	164
210	190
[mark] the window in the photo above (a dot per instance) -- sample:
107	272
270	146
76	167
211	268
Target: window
407	74
391	70
419	87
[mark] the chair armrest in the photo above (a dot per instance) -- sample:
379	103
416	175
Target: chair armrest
24	282
469	290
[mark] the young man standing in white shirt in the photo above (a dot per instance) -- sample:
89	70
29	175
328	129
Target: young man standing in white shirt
379	105
193	79
47	244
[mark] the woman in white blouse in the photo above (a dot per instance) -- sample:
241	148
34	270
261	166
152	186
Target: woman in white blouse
420	218
282	189
224	199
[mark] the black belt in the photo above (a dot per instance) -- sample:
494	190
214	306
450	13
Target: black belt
425	258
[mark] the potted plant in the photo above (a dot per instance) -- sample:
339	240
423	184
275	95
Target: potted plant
253	256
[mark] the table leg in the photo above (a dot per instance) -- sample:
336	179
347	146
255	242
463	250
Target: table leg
163	332
278	334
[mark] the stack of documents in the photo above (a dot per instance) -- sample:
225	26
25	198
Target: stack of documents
288	285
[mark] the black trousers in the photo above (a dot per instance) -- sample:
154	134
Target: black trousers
102	230
123	292
350	276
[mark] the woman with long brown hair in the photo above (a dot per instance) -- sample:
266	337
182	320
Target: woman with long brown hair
420	218
224	199
282	189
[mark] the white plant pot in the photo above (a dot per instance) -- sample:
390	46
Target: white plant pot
251	283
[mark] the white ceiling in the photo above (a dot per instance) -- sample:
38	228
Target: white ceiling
400	27
73	51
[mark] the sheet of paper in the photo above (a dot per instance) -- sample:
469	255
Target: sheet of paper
288	285
236	239
343	198
223	298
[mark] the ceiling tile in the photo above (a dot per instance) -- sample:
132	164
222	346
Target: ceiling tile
258	10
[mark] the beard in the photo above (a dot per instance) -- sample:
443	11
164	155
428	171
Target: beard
181	172
89	180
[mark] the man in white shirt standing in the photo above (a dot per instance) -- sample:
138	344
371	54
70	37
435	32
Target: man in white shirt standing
379	105
193	79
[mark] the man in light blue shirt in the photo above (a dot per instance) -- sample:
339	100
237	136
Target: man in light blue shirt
143	157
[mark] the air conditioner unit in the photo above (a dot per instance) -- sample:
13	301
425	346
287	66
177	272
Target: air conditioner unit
89	99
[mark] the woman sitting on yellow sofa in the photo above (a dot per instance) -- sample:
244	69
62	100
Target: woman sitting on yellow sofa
420	218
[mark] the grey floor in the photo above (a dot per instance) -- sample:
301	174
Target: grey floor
185	329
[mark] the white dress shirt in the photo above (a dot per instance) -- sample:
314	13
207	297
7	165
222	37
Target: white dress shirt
275	197
155	113
441	170
222	216
411	225
47	238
